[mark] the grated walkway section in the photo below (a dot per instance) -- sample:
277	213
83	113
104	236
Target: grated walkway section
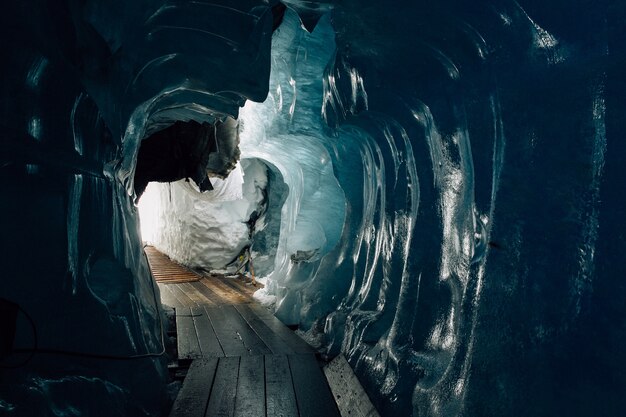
166	270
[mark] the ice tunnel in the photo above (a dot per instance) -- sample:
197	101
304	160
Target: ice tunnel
432	189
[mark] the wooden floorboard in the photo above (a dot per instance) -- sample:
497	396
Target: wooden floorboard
251	387
271	339
313	396
228	337
226	293
188	345
244	361
176	297
181	296
222	398
280	396
209	345
241	284
219	289
291	339
234	334
251	340
168	298
208	293
193	294
349	395
165	270
193	396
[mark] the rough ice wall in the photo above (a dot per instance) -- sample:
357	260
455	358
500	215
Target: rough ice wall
478	147
285	133
83	83
455	207
89	327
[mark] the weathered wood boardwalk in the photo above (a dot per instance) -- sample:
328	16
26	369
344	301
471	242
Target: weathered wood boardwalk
166	270
243	361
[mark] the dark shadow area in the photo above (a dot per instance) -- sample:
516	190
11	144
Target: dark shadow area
179	151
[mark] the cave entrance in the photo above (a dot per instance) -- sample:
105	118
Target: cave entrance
211	230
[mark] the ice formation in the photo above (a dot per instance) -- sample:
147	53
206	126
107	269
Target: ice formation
439	190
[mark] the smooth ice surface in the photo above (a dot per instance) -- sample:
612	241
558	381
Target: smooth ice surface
445	198
286	132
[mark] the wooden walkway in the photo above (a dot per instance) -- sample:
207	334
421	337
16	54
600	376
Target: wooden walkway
243	361
166	270
209	290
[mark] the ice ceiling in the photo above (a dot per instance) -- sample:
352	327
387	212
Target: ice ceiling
442	185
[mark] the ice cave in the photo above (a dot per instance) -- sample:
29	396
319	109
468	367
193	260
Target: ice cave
432	189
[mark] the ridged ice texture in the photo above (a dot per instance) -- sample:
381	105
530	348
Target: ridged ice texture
287	134
82	83
478	269
171	61
478	147
472	145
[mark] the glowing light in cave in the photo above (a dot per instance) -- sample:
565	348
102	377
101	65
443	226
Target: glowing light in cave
149	207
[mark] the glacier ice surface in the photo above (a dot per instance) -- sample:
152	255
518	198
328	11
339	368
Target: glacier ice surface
443	195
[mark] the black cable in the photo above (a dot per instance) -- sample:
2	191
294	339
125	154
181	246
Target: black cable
36	350
32	354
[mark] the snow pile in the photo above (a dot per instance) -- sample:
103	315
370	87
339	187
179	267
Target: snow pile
204	230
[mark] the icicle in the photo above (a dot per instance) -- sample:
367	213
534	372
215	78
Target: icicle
78	138
73	223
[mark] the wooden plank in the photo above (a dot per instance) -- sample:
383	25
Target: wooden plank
209	345
250	338
312	392
239	285
229	339
234	328
193	294
182	297
280	397
166	270
271	340
227	295
289	337
193	397
168	298
180	302
222	398
349	394
251	387
207	293
188	346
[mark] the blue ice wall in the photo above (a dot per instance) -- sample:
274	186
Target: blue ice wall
480	148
